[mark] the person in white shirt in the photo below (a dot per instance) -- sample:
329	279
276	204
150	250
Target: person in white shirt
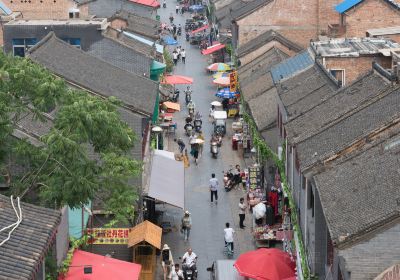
228	231
183	55
242	213
175	56
189	258
176	273
214	184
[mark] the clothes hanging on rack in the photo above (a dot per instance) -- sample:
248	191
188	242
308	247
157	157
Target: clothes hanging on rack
273	200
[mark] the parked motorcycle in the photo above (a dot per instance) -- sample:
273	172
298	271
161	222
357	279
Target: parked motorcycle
228	180
214	149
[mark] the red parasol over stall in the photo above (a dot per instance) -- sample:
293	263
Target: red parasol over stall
199	29
213	49
177	80
266	264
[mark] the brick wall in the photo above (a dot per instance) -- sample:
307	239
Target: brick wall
355	66
43	9
301	17
118	23
370	14
327	14
392	273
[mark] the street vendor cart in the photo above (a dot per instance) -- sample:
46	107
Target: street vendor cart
219	122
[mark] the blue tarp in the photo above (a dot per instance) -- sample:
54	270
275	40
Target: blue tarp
196	8
291	66
75	220
159	48
225	93
346	4
168	40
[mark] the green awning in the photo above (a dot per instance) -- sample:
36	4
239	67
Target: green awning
156	69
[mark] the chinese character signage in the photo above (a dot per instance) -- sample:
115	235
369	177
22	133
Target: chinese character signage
109	235
233	81
254	177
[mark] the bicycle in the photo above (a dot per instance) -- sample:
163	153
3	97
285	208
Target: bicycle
228	249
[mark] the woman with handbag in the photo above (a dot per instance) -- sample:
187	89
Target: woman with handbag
167	261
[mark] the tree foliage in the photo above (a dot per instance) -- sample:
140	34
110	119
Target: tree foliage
86	152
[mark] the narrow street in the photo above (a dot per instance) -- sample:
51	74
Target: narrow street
206	238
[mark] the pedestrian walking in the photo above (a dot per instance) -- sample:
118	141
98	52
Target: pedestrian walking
214	184
228	236
178	49
177	9
242	213
173	29
166	259
183	55
181	144
186	225
195	152
175	57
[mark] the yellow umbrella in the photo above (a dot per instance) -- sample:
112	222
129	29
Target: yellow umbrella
220	74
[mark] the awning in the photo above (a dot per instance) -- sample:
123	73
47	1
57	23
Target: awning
172	105
199	29
212	49
159	48
167	179
106	268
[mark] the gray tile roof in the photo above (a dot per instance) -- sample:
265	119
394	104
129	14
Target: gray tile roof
251	6
223	14
360	193
263	108
121	56
305	90
136	92
346	99
141	25
260	66
357	125
291	66
21	256
264	38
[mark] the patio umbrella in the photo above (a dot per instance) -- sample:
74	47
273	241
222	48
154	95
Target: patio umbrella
226	93
219	67
168	40
266	264
220	74
177	80
222	81
216	103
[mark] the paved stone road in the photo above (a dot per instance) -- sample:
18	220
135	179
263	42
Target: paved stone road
208	219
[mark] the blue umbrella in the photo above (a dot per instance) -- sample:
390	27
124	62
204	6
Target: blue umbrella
196	8
169	40
226	93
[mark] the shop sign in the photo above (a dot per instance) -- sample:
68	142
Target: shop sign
233	81
254	177
109	235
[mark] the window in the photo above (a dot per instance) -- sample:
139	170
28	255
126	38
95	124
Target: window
311	199
76	42
73	14
339	76
21	45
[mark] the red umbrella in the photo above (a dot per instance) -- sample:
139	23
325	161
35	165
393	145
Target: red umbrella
177	80
266	264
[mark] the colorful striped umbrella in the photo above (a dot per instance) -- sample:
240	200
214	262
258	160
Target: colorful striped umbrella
222	81
219	67
220	74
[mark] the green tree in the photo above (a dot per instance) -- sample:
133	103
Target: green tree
86	153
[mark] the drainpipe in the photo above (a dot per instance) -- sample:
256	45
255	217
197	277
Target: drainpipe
306	215
293	167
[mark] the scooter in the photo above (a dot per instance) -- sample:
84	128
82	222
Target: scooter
191	111
188	129
228	180
171	19
187	37
197	125
188	97
175	96
214	149
189	271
